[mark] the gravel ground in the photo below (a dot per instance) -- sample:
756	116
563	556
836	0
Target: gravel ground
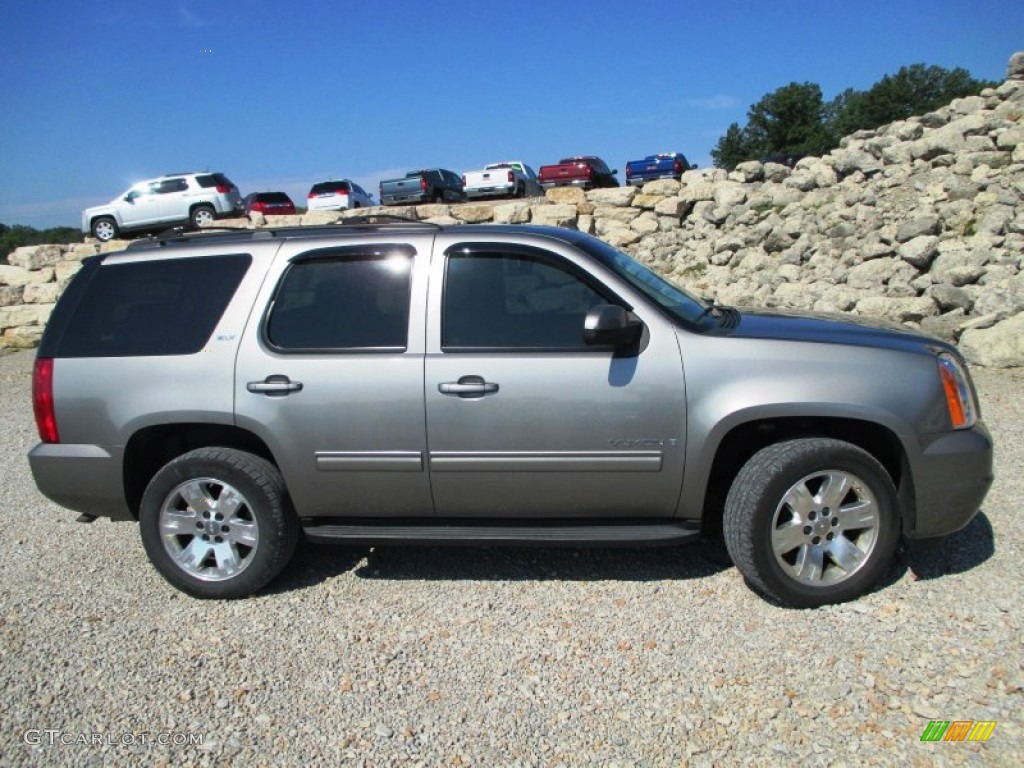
499	657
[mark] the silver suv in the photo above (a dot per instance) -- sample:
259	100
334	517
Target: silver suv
383	382
196	198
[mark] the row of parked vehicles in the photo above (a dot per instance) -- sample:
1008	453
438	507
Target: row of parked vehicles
201	198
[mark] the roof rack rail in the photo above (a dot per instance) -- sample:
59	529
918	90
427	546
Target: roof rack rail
373	219
181	235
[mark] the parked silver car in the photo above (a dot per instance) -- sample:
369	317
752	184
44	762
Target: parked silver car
380	383
196	198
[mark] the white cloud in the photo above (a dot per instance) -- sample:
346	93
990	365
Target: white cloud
186	18
712	103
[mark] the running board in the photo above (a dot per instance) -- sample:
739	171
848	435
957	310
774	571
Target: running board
559	534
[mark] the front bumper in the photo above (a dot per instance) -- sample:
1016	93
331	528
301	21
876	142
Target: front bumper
952	475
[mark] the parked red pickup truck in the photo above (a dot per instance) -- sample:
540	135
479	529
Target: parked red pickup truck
588	172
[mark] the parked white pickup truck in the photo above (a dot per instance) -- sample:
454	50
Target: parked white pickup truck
511	178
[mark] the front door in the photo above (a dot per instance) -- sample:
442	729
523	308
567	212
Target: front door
524	419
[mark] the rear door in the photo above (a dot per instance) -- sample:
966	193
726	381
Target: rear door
331	377
524	419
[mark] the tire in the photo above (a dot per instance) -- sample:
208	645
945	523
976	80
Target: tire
520	191
104	229
202	214
439	197
218	523
811	522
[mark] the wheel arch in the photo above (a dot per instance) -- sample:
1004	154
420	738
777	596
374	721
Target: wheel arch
152	447
202	204
741	441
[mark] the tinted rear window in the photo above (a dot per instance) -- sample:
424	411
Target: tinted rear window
329	186
273	197
163	307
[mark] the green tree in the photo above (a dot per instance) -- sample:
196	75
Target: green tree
914	90
731	148
789	120
796	120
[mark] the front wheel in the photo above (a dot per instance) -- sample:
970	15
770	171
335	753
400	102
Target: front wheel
217	523
812	521
202	215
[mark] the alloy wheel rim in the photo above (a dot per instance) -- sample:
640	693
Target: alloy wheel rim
209	529
825	528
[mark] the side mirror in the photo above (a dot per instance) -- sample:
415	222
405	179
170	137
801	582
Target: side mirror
615	171
611	325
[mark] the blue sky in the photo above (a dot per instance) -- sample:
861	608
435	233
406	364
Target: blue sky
101	94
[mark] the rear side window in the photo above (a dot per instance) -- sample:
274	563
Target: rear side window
208	180
341	299
160	307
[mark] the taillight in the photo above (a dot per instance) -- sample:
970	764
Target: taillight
258	207
311	195
629	172
42	400
423	184
677	166
463	181
223	189
511	178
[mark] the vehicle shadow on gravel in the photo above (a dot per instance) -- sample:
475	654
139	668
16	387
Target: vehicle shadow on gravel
963	551
317	563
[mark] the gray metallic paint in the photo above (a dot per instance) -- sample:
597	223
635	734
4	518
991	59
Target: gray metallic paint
370	435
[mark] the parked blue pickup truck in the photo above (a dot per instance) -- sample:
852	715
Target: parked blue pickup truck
668	165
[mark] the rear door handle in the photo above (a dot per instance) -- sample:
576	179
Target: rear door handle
276	385
468	386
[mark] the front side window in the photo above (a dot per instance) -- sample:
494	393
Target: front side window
510	300
343	299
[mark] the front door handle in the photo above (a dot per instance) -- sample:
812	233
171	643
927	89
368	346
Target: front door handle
276	385
468	386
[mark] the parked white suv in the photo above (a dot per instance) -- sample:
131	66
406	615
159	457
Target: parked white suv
337	195
197	198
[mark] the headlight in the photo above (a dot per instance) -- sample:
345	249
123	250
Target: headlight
959	396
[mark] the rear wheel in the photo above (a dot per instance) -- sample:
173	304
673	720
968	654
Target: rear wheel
811	522
202	215
104	229
217	523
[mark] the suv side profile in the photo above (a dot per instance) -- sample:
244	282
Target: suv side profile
416	383
196	198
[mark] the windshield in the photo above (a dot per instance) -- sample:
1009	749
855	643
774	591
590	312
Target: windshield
670	297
